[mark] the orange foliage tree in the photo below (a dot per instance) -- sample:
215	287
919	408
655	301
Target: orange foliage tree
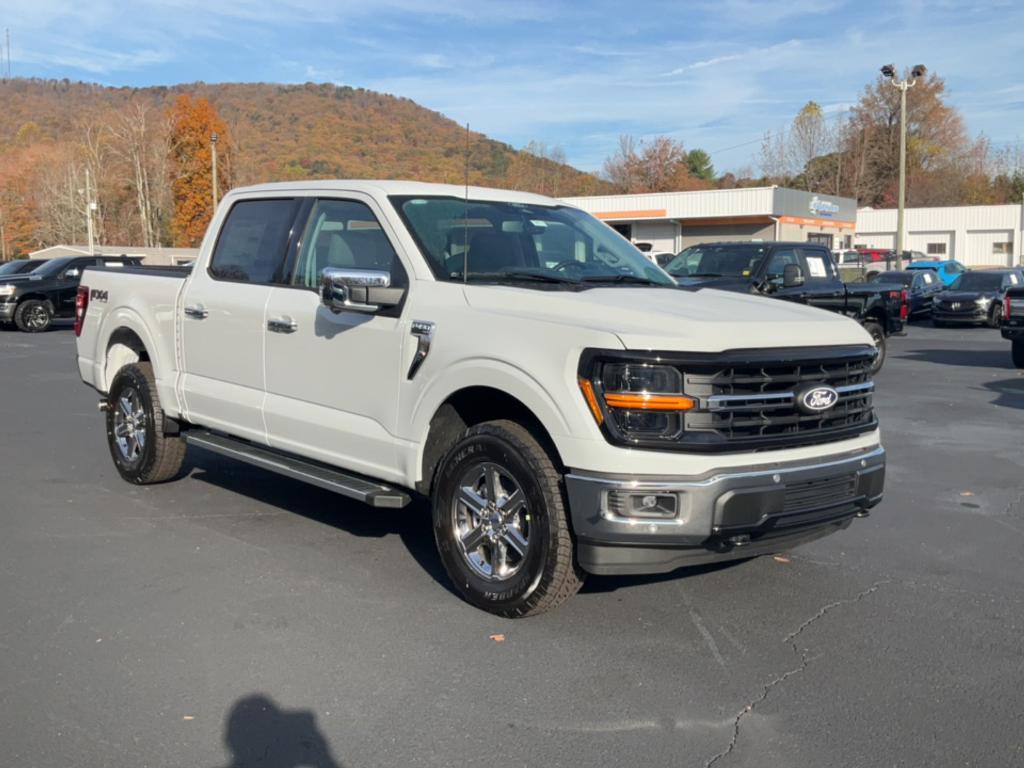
192	123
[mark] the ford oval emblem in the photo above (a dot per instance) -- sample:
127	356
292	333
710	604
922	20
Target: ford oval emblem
817	399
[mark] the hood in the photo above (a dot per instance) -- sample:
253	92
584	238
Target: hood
19	278
968	295
741	284
673	320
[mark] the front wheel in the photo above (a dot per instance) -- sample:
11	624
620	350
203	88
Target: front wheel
996	316
1017	351
878	337
33	316
501	523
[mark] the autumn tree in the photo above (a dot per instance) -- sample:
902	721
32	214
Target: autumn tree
192	121
658	165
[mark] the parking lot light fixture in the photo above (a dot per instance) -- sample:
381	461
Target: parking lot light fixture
889	72
213	161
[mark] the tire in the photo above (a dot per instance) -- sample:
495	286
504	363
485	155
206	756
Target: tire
33	316
1017	351
878	336
141	451
519	563
996	315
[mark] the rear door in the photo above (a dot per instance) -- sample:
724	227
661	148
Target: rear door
823	288
333	379
66	285
224	308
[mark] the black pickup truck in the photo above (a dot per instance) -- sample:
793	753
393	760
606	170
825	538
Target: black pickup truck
31	301
1012	323
802	272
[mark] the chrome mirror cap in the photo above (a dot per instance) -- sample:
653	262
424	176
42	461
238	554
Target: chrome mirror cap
349	289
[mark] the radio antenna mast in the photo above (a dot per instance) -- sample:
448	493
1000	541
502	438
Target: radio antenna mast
465	216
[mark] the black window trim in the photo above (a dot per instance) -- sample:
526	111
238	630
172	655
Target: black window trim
296	202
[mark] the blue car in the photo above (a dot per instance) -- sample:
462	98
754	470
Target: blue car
948	271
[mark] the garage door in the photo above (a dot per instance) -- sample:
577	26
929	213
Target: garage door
990	247
937	244
660	234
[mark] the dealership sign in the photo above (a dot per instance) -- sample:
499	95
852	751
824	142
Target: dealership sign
821	207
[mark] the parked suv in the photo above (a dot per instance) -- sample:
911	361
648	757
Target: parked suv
31	301
564	406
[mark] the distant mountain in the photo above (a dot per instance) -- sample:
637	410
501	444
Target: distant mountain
283	132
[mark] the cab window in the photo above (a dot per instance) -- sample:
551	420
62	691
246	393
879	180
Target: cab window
777	264
817	266
344	234
252	243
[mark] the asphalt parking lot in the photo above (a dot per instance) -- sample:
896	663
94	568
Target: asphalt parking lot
237	618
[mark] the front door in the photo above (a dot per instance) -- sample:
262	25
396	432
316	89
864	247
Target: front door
222	323
333	379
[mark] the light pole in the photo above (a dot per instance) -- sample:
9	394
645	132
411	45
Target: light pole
213	160
90	206
889	71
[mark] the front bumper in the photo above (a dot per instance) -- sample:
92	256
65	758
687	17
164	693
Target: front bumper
720	516
7	310
973	315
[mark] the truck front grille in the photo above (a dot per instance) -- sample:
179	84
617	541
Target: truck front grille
755	405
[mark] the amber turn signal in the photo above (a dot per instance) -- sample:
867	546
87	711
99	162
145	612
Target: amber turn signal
588	394
641	402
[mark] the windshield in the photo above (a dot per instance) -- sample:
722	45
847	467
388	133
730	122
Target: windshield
977	281
717	261
895	277
515	242
19	266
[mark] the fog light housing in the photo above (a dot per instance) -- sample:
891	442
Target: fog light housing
642	505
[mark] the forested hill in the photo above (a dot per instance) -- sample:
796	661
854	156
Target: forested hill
299	131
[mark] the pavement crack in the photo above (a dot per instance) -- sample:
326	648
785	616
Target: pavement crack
805	660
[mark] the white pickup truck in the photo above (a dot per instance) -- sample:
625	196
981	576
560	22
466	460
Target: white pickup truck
566	408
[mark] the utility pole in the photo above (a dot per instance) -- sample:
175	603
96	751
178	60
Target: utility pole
90	206
889	71
213	160
3	239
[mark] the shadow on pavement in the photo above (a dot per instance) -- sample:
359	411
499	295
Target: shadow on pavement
258	733
1010	392
413	524
603	584
973	358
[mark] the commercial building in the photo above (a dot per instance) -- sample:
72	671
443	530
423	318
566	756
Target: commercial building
671	221
158	256
976	235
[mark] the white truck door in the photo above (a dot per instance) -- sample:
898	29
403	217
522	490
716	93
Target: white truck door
333	379
224	310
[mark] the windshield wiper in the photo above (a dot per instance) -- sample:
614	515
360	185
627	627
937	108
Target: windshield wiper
619	279
543	277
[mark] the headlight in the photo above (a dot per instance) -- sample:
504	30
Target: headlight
637	400
7	290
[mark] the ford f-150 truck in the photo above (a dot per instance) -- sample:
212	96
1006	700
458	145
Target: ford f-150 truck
564	406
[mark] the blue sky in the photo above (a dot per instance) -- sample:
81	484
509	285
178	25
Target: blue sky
713	74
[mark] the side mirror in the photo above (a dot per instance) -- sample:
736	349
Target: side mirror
357	290
792	276
72	273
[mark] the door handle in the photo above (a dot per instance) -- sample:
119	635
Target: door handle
198	311
282	325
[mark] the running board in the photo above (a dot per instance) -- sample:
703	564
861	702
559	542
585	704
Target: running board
353	486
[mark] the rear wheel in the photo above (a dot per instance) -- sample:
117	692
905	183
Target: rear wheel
501	523
142	453
1017	351
33	316
878	336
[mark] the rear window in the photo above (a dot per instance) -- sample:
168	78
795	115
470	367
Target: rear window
252	243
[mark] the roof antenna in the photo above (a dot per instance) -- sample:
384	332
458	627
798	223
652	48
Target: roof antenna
465	218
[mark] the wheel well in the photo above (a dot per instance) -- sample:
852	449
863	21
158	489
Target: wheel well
124	348
35	297
469	407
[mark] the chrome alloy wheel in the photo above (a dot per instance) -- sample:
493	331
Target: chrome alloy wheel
130	425
36	317
491	521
